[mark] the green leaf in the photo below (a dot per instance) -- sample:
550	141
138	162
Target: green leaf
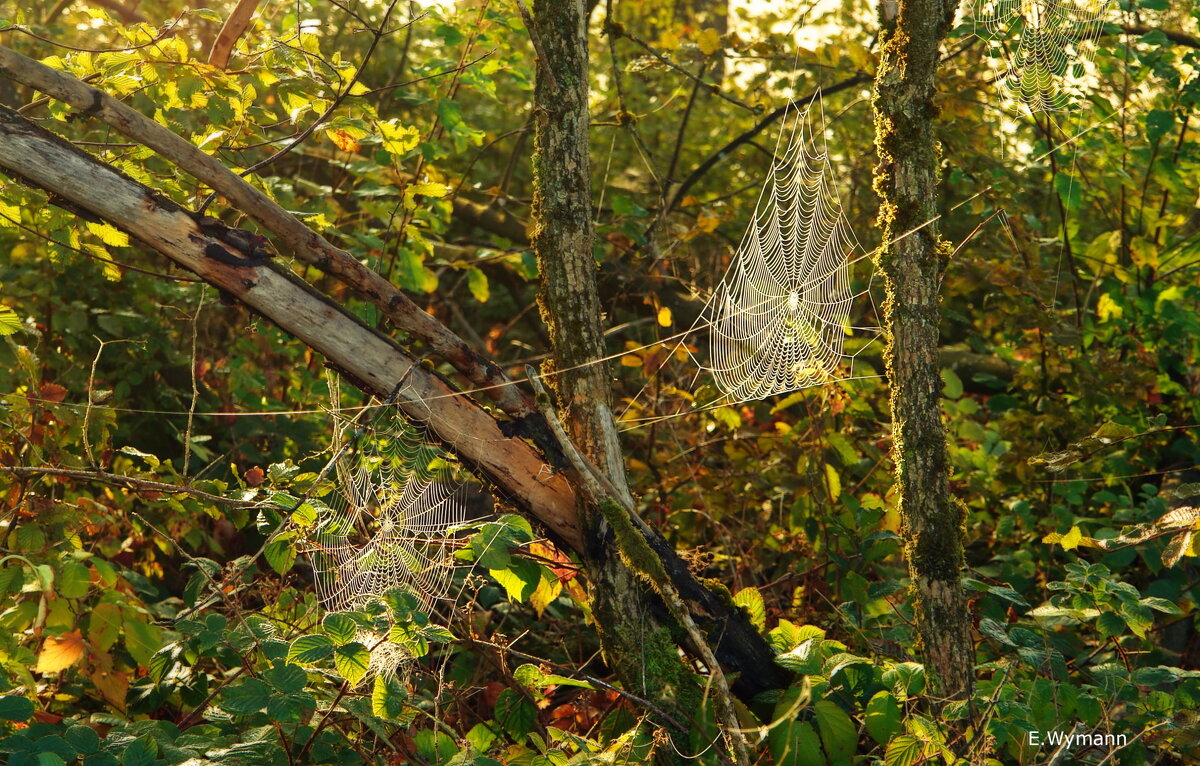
84	739
838	733
142	640
904	750
515	714
387	698
281	553
73	580
520	578
1069	191
795	743
14	708
287	679
9	321
883	717
352	661
1158	122
477	283
833	481
340	628
309	650
752	601
248	696
952	385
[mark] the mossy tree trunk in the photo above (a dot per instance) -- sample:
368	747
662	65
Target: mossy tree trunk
638	638
911	261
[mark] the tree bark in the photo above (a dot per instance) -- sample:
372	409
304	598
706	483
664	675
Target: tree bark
911	261
637	635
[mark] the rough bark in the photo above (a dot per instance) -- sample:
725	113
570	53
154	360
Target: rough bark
522	476
638	630
911	261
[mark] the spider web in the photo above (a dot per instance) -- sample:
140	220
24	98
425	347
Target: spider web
389	521
1041	47
780	315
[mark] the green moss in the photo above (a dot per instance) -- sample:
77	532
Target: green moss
634	550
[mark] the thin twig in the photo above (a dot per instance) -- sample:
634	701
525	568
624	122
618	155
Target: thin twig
537	46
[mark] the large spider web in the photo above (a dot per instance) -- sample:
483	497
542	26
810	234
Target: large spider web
389	522
779	317
1041	47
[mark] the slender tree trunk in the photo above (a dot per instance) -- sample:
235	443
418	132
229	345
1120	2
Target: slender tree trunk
911	260
638	638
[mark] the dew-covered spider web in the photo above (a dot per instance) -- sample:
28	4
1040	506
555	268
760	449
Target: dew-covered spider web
1040	48
779	318
389	523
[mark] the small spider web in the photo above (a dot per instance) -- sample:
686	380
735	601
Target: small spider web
779	318
1040	48
389	523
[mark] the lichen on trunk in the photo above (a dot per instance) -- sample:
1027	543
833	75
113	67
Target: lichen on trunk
636	635
911	261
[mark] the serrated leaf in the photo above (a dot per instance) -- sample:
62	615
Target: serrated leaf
9	321
74	579
752	601
60	653
387	698
904	750
340	628
280	553
352	661
248	696
287	679
108	234
15	708
882	717
309	650
839	735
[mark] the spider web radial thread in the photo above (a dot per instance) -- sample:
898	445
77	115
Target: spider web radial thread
779	317
388	522
1041	47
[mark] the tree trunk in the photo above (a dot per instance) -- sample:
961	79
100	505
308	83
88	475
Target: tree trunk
637	635
911	261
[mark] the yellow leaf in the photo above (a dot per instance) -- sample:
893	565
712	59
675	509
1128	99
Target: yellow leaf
1071	540
111	271
708	41
60	653
1108	309
631	360
669	40
343	140
9	214
108	234
398	139
664	317
834	481
428	190
707	223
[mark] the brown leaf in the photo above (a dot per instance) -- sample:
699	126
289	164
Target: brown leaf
254	476
60	653
52	392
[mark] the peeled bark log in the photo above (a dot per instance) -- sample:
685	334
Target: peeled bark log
911	262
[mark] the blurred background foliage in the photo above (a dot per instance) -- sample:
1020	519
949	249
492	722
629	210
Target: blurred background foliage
140	626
